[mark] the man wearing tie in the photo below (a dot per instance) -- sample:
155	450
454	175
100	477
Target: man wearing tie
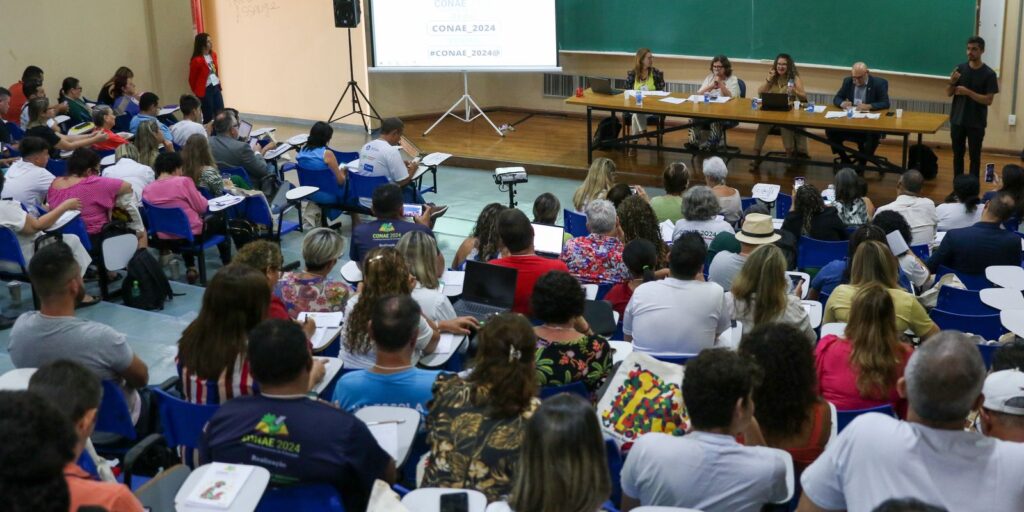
864	92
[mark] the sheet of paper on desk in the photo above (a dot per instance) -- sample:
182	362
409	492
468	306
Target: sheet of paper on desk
386	434
453	277
819	109
866	115
435	158
666	227
699	98
323	336
632	92
324	320
219	203
672	100
834	114
220	486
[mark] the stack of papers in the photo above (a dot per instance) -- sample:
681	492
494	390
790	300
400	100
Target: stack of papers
699	98
632	92
225	201
836	114
328	326
673	100
219	487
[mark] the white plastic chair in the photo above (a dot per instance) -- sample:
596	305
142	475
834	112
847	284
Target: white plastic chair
814	310
118	251
429	499
407	420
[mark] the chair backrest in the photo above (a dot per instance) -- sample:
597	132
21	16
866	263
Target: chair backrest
922	251
325	181
743	87
114	416
16	132
258	212
122	123
986	326
57	167
813	253
167	220
10	249
118	251
843	418
183	422
236	171
76	226
603	289
971	281
575	387
747	202
575	223
321	497
783	204
987	351
964	302
344	157
680	359
361	187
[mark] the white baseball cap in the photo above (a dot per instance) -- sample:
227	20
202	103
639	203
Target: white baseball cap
1004	392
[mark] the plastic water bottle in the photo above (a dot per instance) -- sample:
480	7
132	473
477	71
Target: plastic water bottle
810	106
753	104
707	98
136	292
849	112
789	89
640	95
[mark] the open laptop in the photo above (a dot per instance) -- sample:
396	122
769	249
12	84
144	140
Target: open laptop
547	239
244	129
602	85
778	101
487	290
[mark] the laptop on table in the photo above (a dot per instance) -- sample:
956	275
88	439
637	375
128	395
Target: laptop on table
547	240
487	290
602	85
777	101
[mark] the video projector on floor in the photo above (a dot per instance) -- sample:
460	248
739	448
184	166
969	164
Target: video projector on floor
509	175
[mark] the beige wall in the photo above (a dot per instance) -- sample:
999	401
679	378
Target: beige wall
153	37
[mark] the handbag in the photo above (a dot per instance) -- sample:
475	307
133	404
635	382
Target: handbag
644	395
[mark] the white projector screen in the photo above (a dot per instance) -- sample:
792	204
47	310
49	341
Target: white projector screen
464	35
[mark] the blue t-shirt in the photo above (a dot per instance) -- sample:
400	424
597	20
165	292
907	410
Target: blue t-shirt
133	126
831	275
380	233
298	440
410	388
312	159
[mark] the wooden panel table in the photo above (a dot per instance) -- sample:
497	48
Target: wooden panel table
739	110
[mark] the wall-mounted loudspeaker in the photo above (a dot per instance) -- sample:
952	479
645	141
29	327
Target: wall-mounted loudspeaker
346	13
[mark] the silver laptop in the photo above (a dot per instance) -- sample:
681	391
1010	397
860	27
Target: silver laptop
244	129
602	85
547	239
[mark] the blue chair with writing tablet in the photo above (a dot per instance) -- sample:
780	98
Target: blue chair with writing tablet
812	253
575	223
182	421
843	418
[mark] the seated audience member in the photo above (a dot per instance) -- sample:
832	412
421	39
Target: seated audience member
516	235
972	249
120	92
1002	413
546	209
719	83
385	273
426	264
316	156
910	264
567	349
638	221
811	218
929	456
328	445
389	227
674	180
40	113
265	256
27	180
483	243
791	414
96	193
393	379
17	92
5	134
211	351
642	76
191	122
760	294
42	442
71	95
961	207
150	143
476	422
198	164
700	214
641	258
172	190
564	433
852	202
149	108
680	314
53	332
837	272
76	392
104	119
314	290
707	469
860	91
919	211
618	193
128	168
382	157
715	172
873	263
757	231
33	90
228	151
860	369
597	257
725	241
1010	179
600	179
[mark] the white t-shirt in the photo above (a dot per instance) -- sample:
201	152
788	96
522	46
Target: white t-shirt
705	471
954	216
707	229
182	130
378	158
211	79
136	174
919	213
673	316
434	304
27	183
915	270
877	457
794	314
367	360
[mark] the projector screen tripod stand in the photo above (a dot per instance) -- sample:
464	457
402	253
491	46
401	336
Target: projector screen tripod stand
356	96
469	104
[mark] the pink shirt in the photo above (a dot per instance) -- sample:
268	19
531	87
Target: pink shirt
178	192
837	379
97	194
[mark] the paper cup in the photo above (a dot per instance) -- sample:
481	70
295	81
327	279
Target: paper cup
899	112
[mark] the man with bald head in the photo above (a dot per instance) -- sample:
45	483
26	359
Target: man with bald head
929	456
862	91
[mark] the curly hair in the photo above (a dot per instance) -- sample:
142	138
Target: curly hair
715	380
700	203
384	273
808	203
486	232
557	297
262	255
788	390
42	440
503	377
639	221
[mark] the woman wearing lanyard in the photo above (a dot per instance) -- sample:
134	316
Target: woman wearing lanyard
204	76
646	77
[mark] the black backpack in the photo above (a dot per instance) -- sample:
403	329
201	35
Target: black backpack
607	131
145	286
924	160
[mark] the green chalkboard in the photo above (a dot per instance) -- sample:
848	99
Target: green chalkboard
913	36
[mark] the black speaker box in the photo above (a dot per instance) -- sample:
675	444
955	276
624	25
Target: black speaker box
346	13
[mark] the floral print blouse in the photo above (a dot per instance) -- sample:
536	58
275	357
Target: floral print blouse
314	294
595	259
587	359
852	215
468	448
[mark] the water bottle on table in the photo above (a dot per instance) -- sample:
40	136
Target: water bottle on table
640	95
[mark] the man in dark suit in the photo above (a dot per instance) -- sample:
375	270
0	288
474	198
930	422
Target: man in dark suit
861	91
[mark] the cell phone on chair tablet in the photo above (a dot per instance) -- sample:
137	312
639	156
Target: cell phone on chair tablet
455	502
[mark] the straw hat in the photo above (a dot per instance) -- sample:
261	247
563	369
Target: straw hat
758	230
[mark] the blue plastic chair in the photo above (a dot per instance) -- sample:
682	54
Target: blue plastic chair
603	289
173	221
322	497
331	196
16	132
843	418
575	387
986	326
114	416
987	351
747	202
813	253
258	211
676	359
615	463
122	123
236	171
922	251
360	190
575	223
964	302
10	250
975	282
183	422
57	167
783	204
77	227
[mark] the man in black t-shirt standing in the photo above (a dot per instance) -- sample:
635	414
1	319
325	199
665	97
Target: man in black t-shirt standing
972	85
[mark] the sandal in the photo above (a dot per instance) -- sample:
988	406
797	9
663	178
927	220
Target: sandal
89	301
191	275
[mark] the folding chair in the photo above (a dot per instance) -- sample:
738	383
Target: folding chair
173	221
258	211
812	253
575	223
360	191
843	418
986	326
575	388
182	421
971	281
10	251
783	203
57	167
964	302
236	171
115	432
16	132
330	195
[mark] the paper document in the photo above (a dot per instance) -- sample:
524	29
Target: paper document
220	486
673	100
225	201
767	192
699	98
834	114
169	109
666	227
323	320
435	158
386	434
453	277
632	92
63	220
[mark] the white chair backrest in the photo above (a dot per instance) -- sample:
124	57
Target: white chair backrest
406	421
118	251
814	310
590	290
429	499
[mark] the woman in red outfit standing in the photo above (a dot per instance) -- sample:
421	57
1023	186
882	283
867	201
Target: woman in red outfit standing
204	76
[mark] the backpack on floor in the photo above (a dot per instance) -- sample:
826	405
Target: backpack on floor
242	232
923	159
145	286
607	131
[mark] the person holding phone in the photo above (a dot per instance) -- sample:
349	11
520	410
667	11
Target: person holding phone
972	85
784	78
